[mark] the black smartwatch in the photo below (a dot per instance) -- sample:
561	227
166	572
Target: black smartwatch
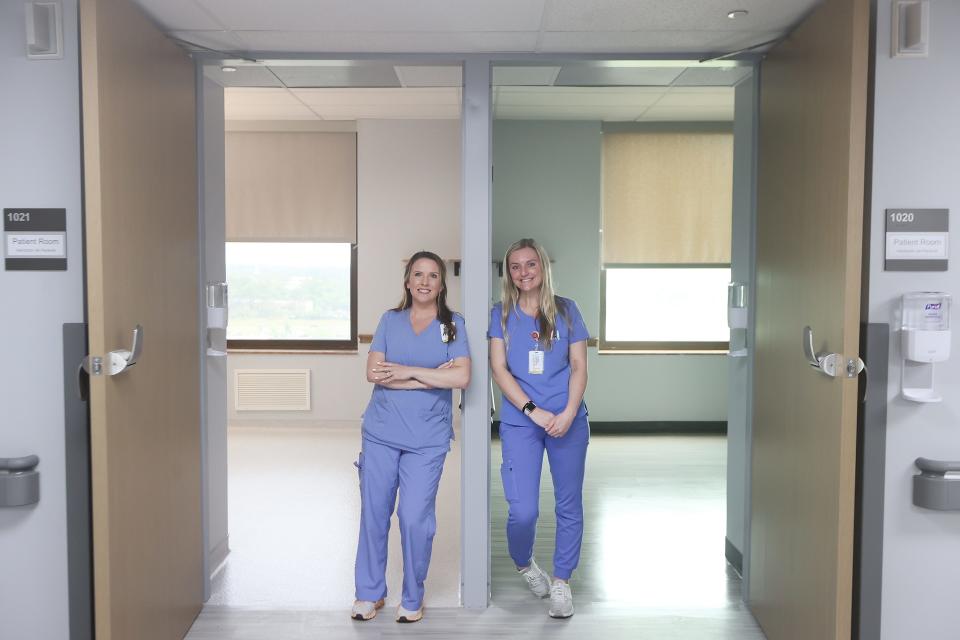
528	408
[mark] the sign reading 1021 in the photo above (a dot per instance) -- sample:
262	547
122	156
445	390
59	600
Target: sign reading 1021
35	239
917	239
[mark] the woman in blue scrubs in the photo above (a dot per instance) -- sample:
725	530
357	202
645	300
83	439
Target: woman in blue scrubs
538	355
418	355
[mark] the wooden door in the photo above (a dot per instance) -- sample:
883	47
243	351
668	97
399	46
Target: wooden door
140	182
810	216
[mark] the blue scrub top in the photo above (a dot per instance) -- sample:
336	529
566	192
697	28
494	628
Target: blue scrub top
549	390
417	418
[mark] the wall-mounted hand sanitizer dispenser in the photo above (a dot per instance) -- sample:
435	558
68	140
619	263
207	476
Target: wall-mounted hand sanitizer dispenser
217	311
737	318
925	339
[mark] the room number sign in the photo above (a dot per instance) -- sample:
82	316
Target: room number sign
35	239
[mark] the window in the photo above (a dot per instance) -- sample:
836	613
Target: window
292	295
291	230
665	308
667	198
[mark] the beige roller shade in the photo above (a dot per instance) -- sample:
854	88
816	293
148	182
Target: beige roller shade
667	197
291	186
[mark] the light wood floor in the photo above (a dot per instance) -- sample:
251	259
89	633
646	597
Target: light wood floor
652	563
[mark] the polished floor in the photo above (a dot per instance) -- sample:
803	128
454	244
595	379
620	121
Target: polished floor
652	563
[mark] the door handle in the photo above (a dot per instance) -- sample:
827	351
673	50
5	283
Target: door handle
834	365
116	361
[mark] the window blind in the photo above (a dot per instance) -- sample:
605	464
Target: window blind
291	186
667	197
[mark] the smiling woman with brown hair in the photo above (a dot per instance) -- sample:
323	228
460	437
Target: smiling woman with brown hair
418	355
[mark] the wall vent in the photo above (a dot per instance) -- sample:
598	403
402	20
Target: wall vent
272	389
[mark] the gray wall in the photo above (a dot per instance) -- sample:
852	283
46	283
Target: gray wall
916	162
742	268
217	540
546	185
39	167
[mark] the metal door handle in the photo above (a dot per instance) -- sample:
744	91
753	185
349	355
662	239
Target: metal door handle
834	365
116	361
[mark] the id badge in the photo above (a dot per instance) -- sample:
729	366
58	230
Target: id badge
536	362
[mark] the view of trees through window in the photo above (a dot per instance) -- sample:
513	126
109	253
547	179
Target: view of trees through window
288	290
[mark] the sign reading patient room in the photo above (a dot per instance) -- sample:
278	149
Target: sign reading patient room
35	239
917	240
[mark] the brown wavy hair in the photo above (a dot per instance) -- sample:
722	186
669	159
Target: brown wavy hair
444	314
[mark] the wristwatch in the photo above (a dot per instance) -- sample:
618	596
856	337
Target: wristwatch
528	408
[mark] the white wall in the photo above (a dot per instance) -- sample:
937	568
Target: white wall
408	198
39	167
916	163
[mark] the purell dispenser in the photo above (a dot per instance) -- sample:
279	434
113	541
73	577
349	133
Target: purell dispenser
925	339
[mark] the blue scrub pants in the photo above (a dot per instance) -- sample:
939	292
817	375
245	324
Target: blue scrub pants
383	470
523	448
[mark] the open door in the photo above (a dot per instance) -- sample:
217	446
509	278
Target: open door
140	182
813	91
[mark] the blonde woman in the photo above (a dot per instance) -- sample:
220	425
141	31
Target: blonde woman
538	355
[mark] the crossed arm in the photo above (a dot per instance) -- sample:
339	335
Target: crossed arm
454	374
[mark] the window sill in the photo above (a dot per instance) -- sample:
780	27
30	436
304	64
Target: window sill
294	352
662	352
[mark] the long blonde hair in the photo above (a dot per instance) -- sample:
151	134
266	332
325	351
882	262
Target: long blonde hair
510	296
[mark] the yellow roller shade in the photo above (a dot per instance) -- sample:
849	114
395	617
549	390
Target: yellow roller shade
667	197
291	186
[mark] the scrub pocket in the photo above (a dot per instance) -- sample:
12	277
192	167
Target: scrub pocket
359	465
509	479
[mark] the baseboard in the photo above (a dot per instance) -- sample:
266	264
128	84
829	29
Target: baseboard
218	556
734	557
677	427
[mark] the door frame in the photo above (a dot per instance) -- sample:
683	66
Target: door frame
476	226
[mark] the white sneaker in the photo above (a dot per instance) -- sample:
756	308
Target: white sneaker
405	615
365	609
537	579
561	600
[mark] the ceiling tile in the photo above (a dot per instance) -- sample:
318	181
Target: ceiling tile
713	76
686	15
321	98
632	41
605	74
527	76
575	96
430	76
224	41
338	73
244	76
387	42
180	15
377	15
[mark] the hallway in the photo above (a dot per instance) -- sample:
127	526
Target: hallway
652	563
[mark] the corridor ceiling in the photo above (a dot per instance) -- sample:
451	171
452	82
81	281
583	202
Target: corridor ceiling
476	26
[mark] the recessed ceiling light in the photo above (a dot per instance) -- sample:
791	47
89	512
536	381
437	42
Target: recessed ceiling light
738	13
228	69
